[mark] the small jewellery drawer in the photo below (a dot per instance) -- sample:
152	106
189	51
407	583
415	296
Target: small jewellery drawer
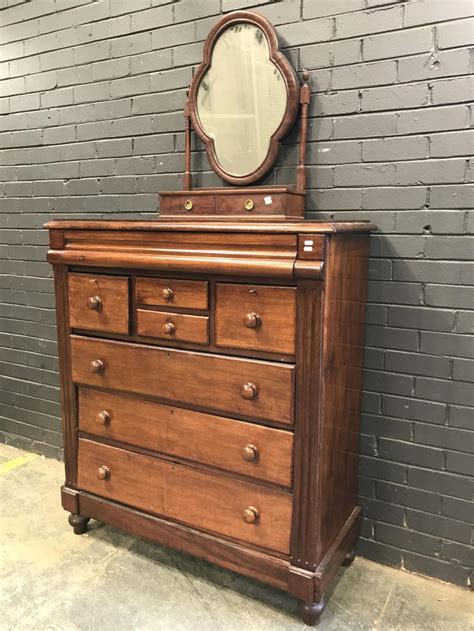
215	503
99	303
169	292
249	204
240	447
187	204
173	326
259	317
250	388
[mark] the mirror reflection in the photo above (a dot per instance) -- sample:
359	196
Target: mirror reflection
241	100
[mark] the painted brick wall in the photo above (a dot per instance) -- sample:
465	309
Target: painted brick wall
92	95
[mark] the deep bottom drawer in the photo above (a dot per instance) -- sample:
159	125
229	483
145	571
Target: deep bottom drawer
214	503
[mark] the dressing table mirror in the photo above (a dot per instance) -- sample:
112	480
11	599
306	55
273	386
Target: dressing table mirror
244	98
211	360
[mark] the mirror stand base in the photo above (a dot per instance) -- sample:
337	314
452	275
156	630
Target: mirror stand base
264	203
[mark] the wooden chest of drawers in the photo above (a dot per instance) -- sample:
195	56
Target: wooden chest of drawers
211	384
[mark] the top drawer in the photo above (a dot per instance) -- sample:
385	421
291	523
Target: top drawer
99	303
258	317
183	294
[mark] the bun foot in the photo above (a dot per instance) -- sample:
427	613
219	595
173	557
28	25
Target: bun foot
311	612
350	556
78	523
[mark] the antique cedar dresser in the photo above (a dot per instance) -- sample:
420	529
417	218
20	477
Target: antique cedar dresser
211	378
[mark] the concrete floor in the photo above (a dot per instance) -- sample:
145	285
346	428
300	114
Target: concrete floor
106	580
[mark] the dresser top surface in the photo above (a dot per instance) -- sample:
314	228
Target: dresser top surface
287	227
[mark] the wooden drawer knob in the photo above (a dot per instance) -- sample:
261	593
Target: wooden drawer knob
250	453
248	391
167	294
94	303
169	328
97	366
250	515
252	320
103	473
102	418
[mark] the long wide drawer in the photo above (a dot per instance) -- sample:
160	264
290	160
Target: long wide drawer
246	448
214	503
250	388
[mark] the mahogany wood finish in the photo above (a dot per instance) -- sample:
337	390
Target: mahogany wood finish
246	449
214	503
256	458
175	326
256	316
170	292
258	203
98	302
211	366
208	381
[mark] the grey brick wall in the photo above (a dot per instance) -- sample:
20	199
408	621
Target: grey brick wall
92	93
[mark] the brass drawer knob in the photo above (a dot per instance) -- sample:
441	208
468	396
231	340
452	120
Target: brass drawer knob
248	391
103	473
248	204
250	515
250	453
169	328
188	204
97	366
252	320
94	303
167	294
102	418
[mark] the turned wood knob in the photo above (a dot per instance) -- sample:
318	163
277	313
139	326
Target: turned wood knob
248	391
250	453
94	303
250	515
102	418
167	294
97	366
169	328
103	473
252	320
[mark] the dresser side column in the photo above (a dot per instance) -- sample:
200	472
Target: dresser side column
341	389
304	535
66	383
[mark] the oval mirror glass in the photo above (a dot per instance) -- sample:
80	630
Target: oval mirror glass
242	101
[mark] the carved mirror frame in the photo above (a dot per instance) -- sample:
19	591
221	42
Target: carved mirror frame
292	89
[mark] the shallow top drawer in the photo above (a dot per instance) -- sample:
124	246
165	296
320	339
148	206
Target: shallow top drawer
99	303
259	317
183	294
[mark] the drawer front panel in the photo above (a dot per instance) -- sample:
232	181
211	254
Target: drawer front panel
249	204
173	326
250	388
245	448
98	303
206	501
187	204
257	317
169	292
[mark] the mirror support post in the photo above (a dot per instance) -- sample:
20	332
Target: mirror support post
187	147
305	99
